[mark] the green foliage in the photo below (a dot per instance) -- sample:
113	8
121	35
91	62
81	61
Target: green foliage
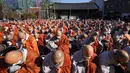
1	14
1	1
29	15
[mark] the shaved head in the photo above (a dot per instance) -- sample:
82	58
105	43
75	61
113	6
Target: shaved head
88	51
21	35
58	33
122	56
57	56
10	37
87	54
13	57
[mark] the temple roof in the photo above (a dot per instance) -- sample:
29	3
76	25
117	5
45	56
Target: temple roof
76	6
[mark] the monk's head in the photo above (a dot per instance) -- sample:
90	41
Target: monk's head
13	57
30	29
87	53
58	34
122	57
58	58
9	37
21	35
94	36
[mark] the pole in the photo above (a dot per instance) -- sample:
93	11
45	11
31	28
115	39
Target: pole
38	9
103	9
88	12
70	13
54	11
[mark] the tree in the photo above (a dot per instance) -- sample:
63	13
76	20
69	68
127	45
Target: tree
1	14
29	15
48	6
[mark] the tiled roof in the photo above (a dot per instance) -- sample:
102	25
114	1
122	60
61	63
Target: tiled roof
75	6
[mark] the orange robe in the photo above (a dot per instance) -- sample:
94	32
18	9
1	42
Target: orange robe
31	65
1	37
91	68
31	43
65	29
66	68
41	40
63	44
95	46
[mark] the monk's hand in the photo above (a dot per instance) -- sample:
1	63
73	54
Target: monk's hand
58	70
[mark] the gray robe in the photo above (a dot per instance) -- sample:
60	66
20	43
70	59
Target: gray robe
78	65
47	65
106	62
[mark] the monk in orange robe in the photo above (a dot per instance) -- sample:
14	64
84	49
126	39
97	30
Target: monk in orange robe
83	60
41	39
28	41
57	62
22	61
63	41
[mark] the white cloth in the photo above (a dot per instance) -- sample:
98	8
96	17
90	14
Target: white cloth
9	43
51	46
13	68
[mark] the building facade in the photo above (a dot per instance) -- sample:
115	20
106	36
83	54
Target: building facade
118	7
13	4
76	10
26	4
21	4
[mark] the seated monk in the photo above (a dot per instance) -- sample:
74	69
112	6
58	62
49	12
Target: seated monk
83	60
61	41
22	61
92	40
11	40
28	41
57	62
112	61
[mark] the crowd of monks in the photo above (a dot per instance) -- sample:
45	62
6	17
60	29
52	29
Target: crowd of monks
64	46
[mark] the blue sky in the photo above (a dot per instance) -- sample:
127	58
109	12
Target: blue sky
74	1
